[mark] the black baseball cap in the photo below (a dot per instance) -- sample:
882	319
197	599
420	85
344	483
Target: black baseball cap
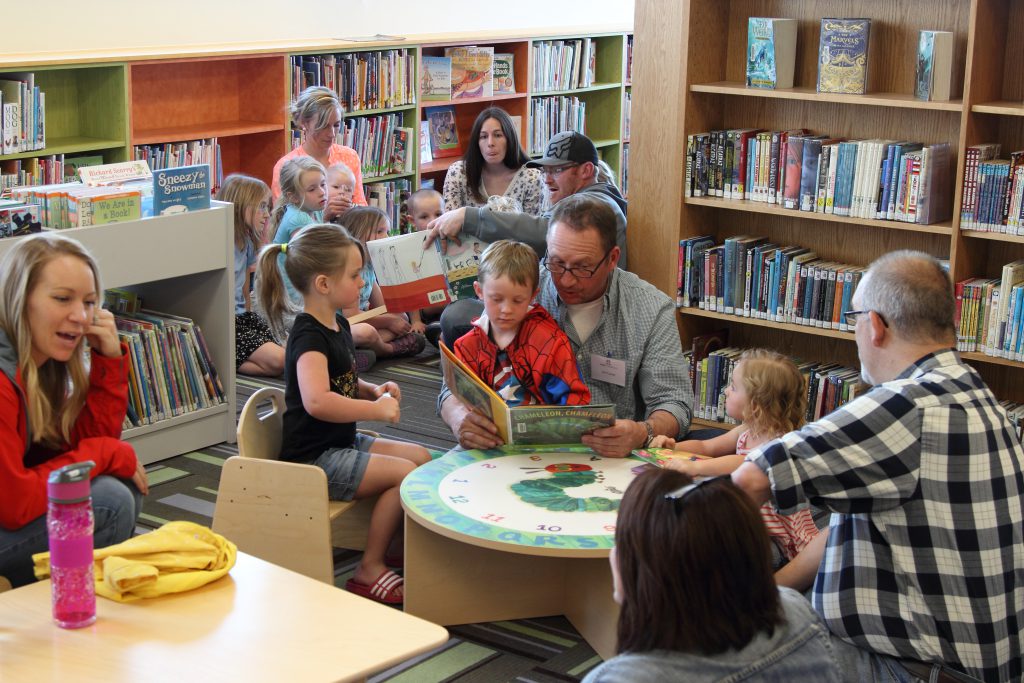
566	148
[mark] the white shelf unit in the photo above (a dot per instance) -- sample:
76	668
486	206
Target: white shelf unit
183	265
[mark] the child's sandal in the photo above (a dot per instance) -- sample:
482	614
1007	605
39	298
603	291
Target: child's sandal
383	590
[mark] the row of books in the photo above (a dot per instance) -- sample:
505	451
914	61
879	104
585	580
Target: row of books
179	154
390	196
903	181
171	371
362	80
467	72
564	64
993	191
383	144
22	114
754	278
627	114
625	170
989	313
41	170
629	59
552	115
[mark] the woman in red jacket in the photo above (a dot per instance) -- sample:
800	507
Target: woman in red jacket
56	407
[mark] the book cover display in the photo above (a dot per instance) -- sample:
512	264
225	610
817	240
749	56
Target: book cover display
504	74
436	78
472	69
522	425
444	135
934	66
179	190
771	52
843	56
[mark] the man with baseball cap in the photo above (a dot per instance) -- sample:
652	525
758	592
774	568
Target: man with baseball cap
570	167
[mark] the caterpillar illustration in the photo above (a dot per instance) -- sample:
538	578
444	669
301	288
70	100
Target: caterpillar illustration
550	493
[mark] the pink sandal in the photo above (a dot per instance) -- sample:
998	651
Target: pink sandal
383	589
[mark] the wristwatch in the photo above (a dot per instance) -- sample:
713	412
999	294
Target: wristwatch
650	433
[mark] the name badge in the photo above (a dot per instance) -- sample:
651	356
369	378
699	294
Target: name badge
608	370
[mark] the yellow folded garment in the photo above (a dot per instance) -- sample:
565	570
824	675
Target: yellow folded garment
177	557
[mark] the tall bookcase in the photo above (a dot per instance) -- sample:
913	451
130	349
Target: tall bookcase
690	62
183	265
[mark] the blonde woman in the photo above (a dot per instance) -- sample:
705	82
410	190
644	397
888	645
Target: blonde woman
317	113
55	407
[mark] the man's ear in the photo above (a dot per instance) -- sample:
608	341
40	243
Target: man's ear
614	254
879	332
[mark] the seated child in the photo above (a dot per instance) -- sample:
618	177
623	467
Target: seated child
341	186
767	393
514	347
424	206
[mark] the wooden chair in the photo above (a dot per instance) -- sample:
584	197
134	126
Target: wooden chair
279	511
5	585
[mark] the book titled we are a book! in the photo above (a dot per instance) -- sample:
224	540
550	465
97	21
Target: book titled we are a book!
522	425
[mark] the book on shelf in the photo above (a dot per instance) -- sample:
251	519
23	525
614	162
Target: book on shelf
472	71
522	425
376	79
389	196
411	277
504	73
115	174
554	114
771	52
181	189
934	78
444	133
425	154
843	56
436	78
99	206
23	107
17	219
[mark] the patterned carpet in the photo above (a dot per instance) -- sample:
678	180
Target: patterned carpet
541	650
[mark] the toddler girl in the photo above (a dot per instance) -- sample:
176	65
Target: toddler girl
341	186
302	202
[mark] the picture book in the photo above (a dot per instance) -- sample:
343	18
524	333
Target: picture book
843	56
182	189
113	174
444	135
504	73
72	164
660	456
522	425
436	78
771	52
425	156
472	71
19	219
411	277
934	65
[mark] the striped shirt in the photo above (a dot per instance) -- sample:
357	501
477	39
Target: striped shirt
925	557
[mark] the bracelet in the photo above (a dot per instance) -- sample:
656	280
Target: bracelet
650	433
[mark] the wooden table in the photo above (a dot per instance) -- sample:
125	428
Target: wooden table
259	623
480	546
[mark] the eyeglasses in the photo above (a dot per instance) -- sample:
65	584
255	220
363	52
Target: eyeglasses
578	272
851	317
555	171
684	491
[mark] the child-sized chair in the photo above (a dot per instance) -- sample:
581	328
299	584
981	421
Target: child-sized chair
279	511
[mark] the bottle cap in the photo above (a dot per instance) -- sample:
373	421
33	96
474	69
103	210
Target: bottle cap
70	484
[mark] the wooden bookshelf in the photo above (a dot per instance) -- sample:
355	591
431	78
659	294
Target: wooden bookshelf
689	72
193	276
238	100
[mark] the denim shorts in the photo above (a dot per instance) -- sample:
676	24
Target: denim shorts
345	467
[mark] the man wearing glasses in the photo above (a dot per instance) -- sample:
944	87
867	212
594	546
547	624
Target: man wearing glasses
621	328
570	167
923	572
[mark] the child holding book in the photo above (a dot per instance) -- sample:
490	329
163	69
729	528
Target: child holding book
767	393
341	186
424	206
302	202
256	352
324	397
389	334
516	347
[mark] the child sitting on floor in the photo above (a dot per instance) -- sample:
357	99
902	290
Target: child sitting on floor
324	397
767	393
517	348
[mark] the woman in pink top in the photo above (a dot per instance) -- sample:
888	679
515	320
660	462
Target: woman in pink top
317	113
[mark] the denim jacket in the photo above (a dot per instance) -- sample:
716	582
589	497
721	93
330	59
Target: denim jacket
798	650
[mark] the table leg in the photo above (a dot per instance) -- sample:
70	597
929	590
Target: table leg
589	605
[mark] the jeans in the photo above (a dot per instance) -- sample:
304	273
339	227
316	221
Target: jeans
116	504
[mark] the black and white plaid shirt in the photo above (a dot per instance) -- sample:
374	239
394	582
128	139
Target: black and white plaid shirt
925	558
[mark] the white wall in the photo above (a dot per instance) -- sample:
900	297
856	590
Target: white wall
112	24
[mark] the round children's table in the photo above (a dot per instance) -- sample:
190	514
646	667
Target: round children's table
513	534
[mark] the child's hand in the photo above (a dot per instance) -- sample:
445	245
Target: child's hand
687	467
419	327
662	441
389	388
398	325
337	204
102	334
388	410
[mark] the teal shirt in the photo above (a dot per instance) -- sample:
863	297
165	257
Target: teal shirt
294	219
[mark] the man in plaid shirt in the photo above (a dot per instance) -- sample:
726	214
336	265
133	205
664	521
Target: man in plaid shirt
924	566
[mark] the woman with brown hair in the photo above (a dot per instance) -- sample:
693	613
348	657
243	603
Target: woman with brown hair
692	573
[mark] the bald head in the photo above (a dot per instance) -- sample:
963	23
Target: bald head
914	294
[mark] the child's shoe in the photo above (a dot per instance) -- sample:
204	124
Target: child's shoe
365	358
408	344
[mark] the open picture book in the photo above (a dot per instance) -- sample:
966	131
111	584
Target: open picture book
522	425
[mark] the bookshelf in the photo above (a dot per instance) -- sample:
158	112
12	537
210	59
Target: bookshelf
193	277
238	100
690	64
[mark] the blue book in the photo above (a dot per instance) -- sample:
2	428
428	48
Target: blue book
844	178
771	52
809	173
843	56
182	189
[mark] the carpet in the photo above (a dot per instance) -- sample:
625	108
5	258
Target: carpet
538	650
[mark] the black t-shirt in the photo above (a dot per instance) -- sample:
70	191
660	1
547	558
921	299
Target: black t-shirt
305	437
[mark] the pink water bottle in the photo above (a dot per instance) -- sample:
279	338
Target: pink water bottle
70	524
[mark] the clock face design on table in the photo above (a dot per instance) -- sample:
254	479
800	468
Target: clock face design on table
543	496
